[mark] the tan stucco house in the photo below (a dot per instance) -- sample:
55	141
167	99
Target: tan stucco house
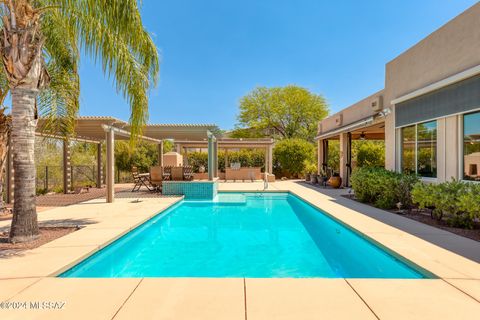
429	111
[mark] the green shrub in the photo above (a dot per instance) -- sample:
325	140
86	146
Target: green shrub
246	157
370	153
290	155
383	188
457	201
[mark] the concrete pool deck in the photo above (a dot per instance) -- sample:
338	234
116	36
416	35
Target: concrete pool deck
29	277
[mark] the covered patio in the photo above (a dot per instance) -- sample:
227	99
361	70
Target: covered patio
232	144
362	121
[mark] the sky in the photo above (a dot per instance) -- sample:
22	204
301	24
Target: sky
213	52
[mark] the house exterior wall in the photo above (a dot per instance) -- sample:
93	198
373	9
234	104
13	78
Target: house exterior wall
447	52
453	48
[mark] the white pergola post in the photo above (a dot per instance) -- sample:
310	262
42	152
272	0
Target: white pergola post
270	159
110	140
210	157
160	154
99	166
215	159
67	177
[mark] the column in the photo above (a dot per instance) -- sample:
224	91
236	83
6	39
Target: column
99	166
67	177
210	158
343	157
9	173
215	159
270	159
160	154
110	139
320	155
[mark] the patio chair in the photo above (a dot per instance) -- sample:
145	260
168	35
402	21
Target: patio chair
167	173
141	179
177	173
188	173
156	177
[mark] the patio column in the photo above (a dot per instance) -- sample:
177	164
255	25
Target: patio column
320	155
67	177
9	173
99	166
210	158
110	138
343	157
160	154
215	159
269	168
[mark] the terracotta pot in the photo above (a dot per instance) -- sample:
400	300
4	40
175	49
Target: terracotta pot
335	182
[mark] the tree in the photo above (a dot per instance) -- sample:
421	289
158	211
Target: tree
4	134
291	155
284	112
40	46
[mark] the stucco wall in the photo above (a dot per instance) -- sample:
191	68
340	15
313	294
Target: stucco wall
453	48
355	112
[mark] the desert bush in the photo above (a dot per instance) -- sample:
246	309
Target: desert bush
458	202
290	155
383	188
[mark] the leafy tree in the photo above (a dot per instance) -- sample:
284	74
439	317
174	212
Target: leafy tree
291	155
282	112
40	44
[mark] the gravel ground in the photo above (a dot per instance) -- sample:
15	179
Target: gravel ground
47	234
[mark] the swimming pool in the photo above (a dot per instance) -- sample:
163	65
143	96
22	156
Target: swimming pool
252	235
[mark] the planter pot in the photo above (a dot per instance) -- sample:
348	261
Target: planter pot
313	178
307	177
335	182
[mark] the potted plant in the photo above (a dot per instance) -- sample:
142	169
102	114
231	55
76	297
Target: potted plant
335	180
309	170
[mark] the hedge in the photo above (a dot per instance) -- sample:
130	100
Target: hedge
457	201
385	189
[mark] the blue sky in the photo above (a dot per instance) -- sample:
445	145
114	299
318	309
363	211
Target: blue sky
214	52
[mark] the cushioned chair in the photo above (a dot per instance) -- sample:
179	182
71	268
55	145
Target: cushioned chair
156	177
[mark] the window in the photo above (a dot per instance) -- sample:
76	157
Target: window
408	149
419	149
471	146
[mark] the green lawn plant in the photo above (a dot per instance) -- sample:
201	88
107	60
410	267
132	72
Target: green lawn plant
383	188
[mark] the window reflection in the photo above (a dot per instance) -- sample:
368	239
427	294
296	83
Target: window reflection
408	150
471	146
427	149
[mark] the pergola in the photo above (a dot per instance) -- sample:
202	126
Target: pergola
101	130
230	143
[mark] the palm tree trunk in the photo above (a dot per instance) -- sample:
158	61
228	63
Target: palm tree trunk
4	133
24	224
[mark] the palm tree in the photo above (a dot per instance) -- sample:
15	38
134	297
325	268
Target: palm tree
40	44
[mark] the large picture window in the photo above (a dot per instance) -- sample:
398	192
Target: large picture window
419	149
471	146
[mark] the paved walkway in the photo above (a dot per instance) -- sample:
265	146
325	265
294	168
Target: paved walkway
455	294
460	245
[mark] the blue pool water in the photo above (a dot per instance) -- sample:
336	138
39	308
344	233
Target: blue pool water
268	235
